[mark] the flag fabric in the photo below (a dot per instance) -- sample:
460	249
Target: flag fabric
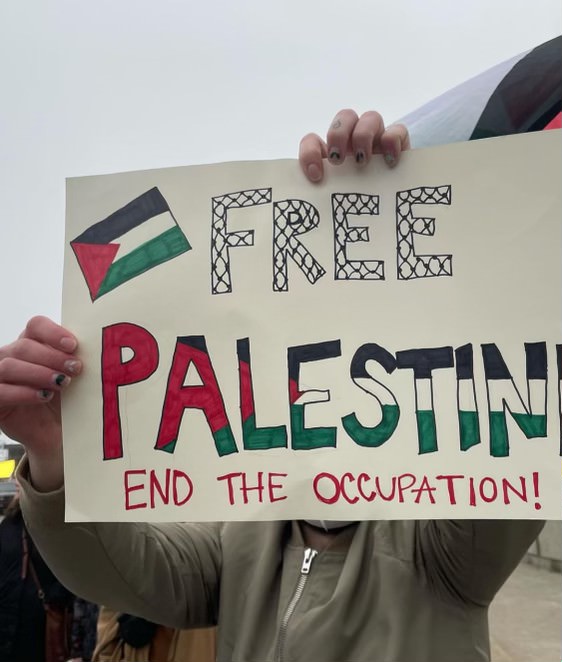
519	95
148	235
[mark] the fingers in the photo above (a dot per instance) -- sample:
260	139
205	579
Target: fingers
46	331
393	142
339	135
312	150
39	377
366	136
36	366
34	352
350	134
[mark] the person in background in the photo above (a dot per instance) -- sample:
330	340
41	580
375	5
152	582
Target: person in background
28	589
84	627
131	638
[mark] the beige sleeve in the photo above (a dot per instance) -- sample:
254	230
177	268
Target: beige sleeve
166	573
471	559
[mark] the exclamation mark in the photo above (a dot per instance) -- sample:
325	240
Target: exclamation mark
536	489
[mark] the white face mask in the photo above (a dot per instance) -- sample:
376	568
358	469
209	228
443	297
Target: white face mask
327	525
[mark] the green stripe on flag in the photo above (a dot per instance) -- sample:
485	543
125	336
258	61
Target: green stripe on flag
377	435
307	438
427	433
224	441
469	429
262	438
162	248
532	425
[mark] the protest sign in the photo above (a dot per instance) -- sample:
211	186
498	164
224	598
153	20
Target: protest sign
384	345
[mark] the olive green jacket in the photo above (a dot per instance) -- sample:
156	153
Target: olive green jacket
386	591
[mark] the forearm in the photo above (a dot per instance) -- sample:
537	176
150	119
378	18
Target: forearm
46	470
164	572
473	558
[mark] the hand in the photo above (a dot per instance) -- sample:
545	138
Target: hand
350	134
33	371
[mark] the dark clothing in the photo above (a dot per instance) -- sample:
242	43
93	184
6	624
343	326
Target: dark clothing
84	626
22	615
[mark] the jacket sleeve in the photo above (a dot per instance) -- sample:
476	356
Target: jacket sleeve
471	559
167	573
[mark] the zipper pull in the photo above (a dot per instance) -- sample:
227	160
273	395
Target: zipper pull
309	555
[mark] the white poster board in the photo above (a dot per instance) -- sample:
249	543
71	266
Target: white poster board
384	345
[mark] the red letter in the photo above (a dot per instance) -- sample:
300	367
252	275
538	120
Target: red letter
115	373
129	489
492	482
228	478
349	477
275	486
177	475
450	485
360	480
193	349
337	489
401	487
156	487
424	487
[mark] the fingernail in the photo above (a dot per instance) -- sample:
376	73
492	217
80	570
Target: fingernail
359	156
61	380
390	160
334	154
314	173
72	366
44	394
68	344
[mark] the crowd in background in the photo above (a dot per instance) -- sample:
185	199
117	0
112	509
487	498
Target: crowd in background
41	621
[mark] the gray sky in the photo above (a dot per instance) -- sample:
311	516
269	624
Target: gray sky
93	87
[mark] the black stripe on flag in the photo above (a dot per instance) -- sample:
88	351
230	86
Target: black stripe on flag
130	216
528	97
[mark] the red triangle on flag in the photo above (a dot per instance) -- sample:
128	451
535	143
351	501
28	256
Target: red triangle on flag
555	122
94	260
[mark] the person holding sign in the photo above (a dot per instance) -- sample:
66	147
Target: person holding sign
391	591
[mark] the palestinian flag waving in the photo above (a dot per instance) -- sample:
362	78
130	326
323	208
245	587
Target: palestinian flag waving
517	96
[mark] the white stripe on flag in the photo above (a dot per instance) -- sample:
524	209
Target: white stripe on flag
144	232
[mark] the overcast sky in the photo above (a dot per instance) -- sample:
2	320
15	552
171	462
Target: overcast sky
100	86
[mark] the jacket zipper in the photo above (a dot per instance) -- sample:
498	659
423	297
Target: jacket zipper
309	555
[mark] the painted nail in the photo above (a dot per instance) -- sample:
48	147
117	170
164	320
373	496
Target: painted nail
44	394
334	154
314	173
68	344
61	380
72	366
359	156
390	160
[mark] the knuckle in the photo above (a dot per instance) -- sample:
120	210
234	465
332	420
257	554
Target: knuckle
348	113
20	349
372	116
7	364
310	137
362	135
34	323
310	148
399	130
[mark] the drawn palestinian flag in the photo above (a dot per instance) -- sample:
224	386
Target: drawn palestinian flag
139	236
519	95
